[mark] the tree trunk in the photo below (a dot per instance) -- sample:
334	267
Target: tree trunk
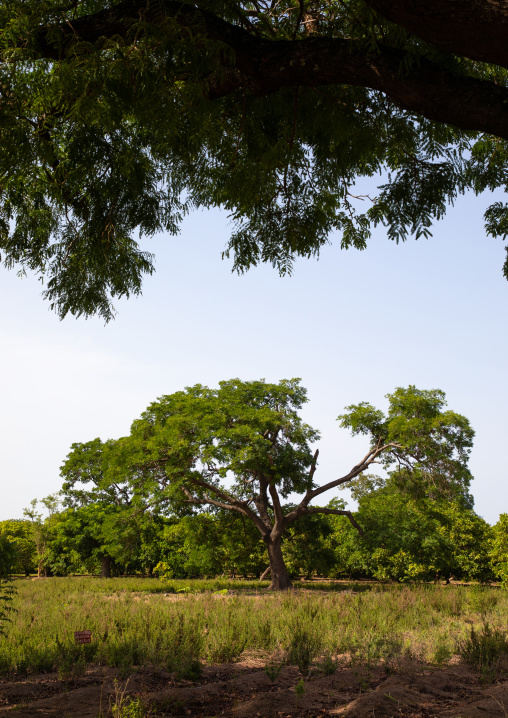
106	567
280	577
265	573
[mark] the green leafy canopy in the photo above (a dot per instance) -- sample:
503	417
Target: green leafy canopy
243	447
430	445
118	118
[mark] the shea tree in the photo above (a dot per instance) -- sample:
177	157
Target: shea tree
244	448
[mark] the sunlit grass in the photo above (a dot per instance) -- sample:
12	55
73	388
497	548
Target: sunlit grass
175	624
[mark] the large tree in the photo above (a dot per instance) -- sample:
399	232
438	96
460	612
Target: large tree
118	117
244	448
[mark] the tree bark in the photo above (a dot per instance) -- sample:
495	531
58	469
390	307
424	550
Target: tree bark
473	28
280	576
106	567
262	66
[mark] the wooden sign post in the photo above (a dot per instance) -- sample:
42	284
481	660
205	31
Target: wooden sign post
83	636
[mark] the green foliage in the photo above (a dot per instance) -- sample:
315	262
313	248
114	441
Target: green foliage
121	134
20	534
499	552
40	529
239	451
373	649
131	708
443	652
101	519
429	446
210	544
408	539
124	705
483	649
328	665
133	623
303	647
240	448
300	688
273	668
306	548
7	562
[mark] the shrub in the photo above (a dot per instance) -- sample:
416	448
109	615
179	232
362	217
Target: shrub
483	649
303	647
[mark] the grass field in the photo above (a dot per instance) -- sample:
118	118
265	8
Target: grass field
179	625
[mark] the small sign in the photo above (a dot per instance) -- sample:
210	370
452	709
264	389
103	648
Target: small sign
83	636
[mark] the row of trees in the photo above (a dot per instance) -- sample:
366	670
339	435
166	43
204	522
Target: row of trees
403	539
207	479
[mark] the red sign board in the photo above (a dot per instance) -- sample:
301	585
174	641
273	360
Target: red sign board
83	636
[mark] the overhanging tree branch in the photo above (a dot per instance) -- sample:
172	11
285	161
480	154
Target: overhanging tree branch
265	66
472	28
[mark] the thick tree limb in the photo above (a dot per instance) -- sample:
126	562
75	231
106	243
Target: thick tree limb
367	460
313	467
277	508
302	509
262	501
264	66
472	28
336	512
228	502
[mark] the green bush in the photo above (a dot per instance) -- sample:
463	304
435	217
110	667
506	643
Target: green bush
483	649
303	647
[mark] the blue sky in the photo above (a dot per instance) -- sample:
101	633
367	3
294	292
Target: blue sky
353	325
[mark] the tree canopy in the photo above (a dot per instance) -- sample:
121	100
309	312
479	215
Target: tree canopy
117	118
408	537
244	448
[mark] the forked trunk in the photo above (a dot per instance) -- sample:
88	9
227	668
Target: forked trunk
280	577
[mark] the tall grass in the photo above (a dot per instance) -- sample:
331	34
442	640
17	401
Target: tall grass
177	625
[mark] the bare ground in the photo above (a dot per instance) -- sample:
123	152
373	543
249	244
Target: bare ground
242	690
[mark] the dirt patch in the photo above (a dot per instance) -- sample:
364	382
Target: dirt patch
242	690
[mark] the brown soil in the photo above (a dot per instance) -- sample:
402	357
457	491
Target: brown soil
242	690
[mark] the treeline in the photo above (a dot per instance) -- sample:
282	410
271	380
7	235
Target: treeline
405	538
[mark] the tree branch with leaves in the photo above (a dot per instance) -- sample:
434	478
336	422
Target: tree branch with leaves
116	119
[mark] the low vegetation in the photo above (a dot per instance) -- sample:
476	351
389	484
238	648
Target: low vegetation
181	625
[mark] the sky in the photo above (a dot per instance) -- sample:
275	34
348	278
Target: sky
353	326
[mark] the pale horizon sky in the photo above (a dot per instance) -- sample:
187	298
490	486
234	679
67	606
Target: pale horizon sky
353	325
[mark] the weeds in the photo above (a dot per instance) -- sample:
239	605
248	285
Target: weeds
273	668
442	653
328	665
373	650
300	688
303	647
190	670
483	601
7	593
126	707
133	624
483	649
